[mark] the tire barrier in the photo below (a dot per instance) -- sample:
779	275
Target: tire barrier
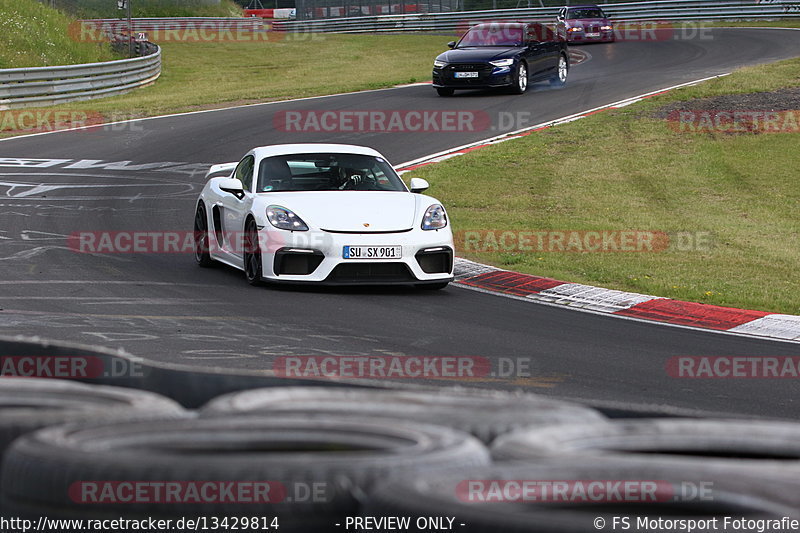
579	495
26	357
769	448
107	471
484	414
28	404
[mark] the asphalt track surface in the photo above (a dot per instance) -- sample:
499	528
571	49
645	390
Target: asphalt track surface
163	307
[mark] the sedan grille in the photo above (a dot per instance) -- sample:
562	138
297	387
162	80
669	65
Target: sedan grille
483	70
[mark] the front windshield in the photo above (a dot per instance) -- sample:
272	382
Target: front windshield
590	13
327	172
492	35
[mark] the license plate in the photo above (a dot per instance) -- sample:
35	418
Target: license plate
373	252
466	74
593	35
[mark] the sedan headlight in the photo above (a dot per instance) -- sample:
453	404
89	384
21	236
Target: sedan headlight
502	62
439	64
606	28
435	218
282	218
575	28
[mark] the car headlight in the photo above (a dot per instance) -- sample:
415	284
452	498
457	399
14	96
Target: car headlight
282	218
439	64
575	28
502	62
435	218
606	27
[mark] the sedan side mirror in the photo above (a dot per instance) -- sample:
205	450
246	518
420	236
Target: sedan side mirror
232	186
418	185
451	44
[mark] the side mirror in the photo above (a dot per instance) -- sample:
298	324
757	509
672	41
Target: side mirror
451	44
419	185
232	186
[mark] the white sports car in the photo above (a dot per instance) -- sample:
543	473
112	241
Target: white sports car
324	213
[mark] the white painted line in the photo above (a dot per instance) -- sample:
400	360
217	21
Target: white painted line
187	113
562	120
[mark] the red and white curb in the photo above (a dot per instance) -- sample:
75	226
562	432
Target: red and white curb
587	298
490	279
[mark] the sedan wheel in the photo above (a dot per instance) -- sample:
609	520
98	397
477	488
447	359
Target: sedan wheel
252	254
560	79
521	79
201	254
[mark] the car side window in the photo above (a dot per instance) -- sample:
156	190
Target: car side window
244	172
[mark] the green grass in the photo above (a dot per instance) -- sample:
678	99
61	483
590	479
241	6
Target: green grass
154	8
32	35
208	74
625	170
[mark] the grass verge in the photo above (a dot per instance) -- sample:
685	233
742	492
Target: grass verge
204	75
626	169
32	35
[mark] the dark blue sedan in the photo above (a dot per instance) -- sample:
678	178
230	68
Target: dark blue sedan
502	54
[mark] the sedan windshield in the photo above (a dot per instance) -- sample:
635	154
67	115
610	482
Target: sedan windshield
492	35
327	172
585	14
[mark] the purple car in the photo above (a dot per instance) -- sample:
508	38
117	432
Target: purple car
584	24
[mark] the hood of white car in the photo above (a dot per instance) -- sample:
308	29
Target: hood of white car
351	211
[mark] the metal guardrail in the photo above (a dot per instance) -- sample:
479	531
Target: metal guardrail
176	23
44	86
664	10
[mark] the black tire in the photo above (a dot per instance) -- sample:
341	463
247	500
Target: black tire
484	414
443	91
32	403
201	243
459	494
732	444
251	255
562	71
521	80
347	456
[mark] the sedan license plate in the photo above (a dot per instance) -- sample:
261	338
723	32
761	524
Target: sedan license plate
593	35
466	74
373	252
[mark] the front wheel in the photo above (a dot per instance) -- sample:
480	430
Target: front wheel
252	254
521	79
560	79
201	254
443	91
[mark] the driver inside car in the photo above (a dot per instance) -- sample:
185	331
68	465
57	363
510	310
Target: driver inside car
349	178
